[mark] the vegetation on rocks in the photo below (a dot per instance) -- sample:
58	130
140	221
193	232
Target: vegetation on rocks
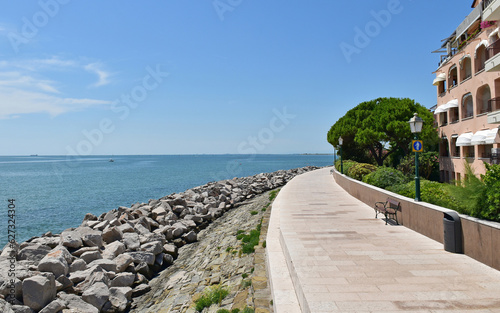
213	295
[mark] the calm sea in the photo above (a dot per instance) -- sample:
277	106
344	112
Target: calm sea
53	193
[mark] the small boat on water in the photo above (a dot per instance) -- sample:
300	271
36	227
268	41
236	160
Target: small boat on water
111	160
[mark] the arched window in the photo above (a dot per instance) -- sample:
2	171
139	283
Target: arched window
452	76
467	106
465	68
483	97
480	55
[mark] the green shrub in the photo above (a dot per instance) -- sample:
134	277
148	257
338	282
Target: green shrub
212	295
490	201
223	311
384	177
347	165
428	165
254	212
247	310
359	170
430	192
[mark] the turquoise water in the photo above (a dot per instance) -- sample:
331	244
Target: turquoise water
53	193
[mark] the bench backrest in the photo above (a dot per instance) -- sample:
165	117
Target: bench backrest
393	204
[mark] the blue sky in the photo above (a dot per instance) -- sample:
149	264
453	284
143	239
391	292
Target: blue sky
213	76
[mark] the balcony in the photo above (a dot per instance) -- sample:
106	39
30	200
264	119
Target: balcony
494	105
491	11
469	20
493	57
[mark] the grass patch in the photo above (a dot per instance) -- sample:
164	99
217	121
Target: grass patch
264	244
212	295
254	212
273	194
246	283
244	275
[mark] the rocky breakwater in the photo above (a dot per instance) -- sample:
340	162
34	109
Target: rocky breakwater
107	261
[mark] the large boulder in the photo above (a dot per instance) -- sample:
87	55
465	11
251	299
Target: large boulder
120	297
132	241
106	264
91	256
154	247
38	291
71	239
122	262
55	306
123	280
56	262
111	234
33	252
90	237
76	304
113	250
139	257
97	295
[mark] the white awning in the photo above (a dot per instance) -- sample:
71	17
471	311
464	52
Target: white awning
445	107
482	43
440	109
479	137
493	33
441	77
454	136
491	137
452	104
464	140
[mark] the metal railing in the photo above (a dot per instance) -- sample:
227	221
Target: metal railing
493	49
495	158
486	3
486	109
494	104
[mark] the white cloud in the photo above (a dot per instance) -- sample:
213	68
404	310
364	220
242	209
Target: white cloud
103	77
28	87
14	101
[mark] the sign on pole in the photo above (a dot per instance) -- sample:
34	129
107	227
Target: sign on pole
417	146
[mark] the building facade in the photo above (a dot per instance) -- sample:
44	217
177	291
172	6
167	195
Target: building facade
468	93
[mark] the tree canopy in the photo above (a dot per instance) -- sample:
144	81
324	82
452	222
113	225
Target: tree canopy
376	129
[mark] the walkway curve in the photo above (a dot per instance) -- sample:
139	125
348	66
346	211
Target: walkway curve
326	252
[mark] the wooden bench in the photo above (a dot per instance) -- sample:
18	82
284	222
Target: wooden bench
389	208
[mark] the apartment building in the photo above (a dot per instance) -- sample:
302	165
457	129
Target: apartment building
468	93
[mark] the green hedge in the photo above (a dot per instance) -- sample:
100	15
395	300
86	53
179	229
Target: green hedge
385	177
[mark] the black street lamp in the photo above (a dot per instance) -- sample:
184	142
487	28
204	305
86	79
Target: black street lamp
341	162
416	124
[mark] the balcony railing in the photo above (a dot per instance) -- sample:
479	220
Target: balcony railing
486	109
495	158
493	49
468	114
486	3
494	104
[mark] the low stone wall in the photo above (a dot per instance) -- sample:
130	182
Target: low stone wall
481	239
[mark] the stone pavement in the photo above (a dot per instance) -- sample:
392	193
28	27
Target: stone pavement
326	252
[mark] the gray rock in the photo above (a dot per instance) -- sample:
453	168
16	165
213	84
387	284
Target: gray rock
76	304
139	257
54	307
170	249
126	228
190	237
33	252
101	225
97	295
131	240
154	247
122	262
22	309
5	307
81	251
71	239
144	269
113	250
106	264
112	234
78	265
90	217
63	283
123	280
38	291
140	290
91	256
142	230
168	259
55	262
120	297
159	211
90	237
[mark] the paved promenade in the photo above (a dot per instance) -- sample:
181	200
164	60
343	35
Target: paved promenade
328	253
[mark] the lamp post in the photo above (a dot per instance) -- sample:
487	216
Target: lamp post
416	124
341	163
